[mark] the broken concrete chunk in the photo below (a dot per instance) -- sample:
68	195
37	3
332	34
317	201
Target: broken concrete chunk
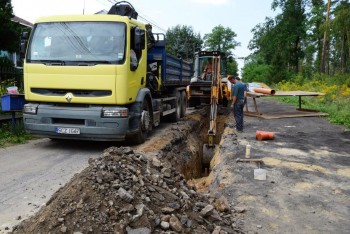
123	194
207	210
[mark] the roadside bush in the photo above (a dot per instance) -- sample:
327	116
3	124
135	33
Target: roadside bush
336	99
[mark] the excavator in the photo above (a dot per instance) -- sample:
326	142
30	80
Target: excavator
209	88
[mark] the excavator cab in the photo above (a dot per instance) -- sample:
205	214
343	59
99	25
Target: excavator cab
199	91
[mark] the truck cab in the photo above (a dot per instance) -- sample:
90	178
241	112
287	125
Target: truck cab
100	77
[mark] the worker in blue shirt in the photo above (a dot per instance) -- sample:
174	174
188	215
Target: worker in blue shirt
246	88
238	94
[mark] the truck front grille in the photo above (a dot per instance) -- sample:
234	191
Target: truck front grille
75	92
68	121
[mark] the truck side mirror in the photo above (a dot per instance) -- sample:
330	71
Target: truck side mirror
24	35
139	39
23	45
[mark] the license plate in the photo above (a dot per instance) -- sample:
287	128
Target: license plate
67	130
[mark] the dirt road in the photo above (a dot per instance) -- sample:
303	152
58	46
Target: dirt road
307	189
31	173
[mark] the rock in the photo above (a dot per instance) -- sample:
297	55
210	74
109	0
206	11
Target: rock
206	210
175	224
184	195
215	215
165	218
166	172
221	204
156	162
239	209
165	225
123	194
139	211
64	229
217	230
142	230
167	210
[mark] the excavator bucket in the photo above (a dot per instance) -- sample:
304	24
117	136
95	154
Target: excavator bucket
208	150
208	153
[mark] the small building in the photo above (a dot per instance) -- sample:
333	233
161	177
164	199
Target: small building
14	56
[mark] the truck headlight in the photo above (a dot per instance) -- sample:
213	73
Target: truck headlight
114	112
30	109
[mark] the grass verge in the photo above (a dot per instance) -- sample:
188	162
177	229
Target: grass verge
13	135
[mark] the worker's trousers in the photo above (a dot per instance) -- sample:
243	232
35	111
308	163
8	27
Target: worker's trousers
238	113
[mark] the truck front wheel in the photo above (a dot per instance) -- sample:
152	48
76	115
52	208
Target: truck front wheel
145	124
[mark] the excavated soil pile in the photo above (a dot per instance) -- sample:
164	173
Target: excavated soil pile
129	192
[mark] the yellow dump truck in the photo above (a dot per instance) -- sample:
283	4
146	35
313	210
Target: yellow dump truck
100	77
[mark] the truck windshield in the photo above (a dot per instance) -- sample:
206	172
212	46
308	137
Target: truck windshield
77	43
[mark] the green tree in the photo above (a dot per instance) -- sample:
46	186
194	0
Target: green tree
314	37
9	30
292	30
281	41
232	67
340	28
183	41
221	39
256	70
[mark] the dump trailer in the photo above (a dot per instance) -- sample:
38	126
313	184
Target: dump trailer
100	77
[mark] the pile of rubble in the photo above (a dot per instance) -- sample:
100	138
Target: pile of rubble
128	192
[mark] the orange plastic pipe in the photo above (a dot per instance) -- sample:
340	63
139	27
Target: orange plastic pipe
262	135
265	91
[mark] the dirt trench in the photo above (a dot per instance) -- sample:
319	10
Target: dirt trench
149	188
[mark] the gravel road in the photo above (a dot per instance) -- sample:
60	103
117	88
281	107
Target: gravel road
31	173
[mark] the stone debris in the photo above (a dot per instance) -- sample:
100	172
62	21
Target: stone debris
126	192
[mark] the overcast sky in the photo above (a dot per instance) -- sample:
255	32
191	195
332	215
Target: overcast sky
203	15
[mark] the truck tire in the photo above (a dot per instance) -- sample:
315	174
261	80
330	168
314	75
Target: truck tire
183	103
174	117
145	124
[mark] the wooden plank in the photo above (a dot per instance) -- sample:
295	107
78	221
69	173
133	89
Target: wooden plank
286	115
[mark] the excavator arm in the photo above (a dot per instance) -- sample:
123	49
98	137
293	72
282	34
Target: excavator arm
216	95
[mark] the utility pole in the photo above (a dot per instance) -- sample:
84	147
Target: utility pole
323	59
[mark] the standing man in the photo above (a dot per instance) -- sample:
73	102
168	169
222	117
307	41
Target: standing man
246	89
237	101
